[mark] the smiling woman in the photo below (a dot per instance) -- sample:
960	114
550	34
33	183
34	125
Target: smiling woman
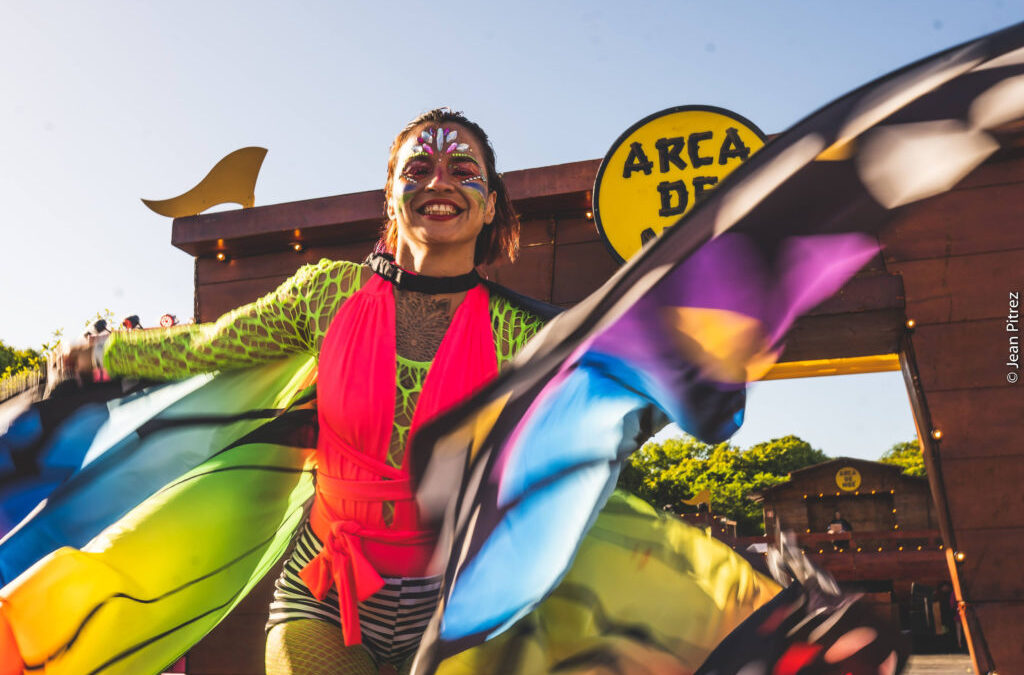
395	342
444	193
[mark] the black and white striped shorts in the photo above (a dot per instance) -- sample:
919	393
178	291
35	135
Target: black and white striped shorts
392	620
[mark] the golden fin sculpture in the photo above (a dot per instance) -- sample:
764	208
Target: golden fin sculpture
702	497
232	180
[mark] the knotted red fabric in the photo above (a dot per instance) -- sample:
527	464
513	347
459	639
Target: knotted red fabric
356	400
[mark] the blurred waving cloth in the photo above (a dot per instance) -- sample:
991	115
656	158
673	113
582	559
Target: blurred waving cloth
173	502
177	507
679	330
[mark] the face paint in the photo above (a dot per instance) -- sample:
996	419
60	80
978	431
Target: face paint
434	147
439	141
408	192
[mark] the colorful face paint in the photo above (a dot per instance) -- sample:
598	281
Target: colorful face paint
440	141
439	149
408	192
478	191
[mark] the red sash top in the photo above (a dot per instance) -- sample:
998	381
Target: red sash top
356	408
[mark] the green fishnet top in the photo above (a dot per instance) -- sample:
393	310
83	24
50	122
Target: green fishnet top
293	318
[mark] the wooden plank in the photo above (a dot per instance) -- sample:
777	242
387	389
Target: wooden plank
337	219
833	336
961	288
539	231
579	270
552	180
216	299
990	571
575	230
964	355
1001	626
863	293
984	492
235	647
530	275
211	271
961	222
978	422
237	644
1006	170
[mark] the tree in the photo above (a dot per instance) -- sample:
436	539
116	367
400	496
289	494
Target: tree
906	456
667	473
13	360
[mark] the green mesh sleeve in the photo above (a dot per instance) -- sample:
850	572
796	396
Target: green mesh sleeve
513	327
293	318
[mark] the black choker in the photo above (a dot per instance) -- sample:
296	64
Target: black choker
383	264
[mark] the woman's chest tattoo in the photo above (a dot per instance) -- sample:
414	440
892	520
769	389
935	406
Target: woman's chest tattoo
420	324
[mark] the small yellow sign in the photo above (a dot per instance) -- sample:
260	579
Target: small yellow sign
848	479
661	166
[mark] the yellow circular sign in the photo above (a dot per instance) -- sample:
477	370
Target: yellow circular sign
661	166
848	479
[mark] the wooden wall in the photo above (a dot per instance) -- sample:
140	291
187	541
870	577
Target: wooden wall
796	502
961	255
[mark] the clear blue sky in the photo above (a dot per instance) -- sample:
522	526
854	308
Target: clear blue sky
103	103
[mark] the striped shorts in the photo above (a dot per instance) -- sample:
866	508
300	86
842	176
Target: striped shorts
392	620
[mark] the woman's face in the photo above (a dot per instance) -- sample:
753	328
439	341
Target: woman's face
440	195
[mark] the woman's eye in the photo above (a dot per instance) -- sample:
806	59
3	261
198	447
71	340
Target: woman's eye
464	170
416	171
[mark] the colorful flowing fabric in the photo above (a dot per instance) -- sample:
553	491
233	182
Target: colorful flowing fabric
243	441
679	593
160	574
534	456
682	328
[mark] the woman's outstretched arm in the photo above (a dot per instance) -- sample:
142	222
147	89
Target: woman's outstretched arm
293	318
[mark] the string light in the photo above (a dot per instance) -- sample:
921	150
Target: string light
936	434
221	256
910	324
960	556
590	215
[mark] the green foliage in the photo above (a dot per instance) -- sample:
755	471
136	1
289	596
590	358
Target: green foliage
906	456
13	361
21	367
665	474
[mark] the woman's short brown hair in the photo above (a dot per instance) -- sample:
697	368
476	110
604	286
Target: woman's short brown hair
499	238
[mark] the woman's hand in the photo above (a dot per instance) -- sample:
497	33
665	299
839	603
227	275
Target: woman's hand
74	360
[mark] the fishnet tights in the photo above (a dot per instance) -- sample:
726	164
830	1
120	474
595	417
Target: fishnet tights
311	647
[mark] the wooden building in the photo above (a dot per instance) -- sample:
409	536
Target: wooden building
871	496
939	297
892	548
